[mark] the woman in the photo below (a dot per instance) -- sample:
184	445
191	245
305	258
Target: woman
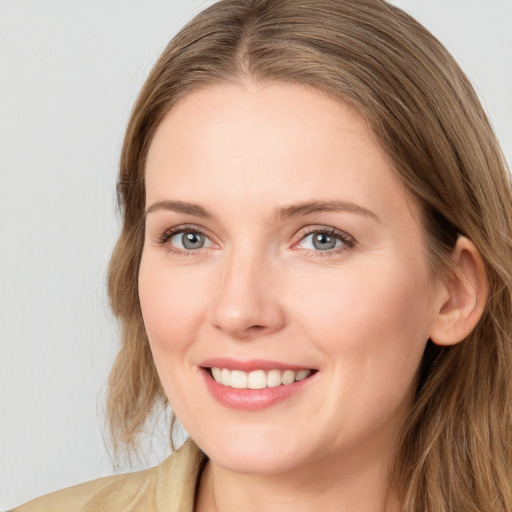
314	270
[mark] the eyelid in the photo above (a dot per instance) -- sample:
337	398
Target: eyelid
348	240
166	235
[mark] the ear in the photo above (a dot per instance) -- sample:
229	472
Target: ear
462	295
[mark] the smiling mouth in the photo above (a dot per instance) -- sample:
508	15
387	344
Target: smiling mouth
258	379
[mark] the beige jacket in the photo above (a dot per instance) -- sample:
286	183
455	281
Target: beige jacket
169	487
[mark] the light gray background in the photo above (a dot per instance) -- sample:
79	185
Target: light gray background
69	73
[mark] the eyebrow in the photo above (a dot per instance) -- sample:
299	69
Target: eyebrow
299	209
179	207
285	212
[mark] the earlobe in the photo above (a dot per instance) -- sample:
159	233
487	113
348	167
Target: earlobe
462	295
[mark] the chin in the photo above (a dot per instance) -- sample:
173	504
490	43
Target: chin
252	451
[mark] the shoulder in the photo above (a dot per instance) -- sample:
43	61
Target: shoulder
113	493
169	486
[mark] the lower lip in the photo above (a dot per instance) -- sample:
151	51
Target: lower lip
252	399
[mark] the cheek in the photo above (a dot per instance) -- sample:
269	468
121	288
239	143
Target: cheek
366	316
372	328
172	304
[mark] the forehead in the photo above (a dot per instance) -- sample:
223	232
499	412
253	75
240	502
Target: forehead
275	141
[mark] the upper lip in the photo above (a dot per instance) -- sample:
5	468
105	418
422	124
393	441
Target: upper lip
248	365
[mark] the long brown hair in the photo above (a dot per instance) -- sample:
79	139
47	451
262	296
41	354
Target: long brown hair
455	451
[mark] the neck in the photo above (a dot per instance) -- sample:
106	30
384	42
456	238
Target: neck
360	485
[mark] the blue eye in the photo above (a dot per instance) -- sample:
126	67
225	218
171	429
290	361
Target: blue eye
325	241
189	240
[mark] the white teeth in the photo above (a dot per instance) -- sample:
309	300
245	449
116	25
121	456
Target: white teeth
238	379
302	374
273	378
288	377
217	374
225	377
257	379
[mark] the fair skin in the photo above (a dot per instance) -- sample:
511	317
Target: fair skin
278	237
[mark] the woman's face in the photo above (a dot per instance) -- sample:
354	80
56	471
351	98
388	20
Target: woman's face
281	247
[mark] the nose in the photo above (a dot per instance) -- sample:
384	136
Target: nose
247	304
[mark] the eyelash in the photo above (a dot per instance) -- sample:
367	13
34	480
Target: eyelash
348	242
166	236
